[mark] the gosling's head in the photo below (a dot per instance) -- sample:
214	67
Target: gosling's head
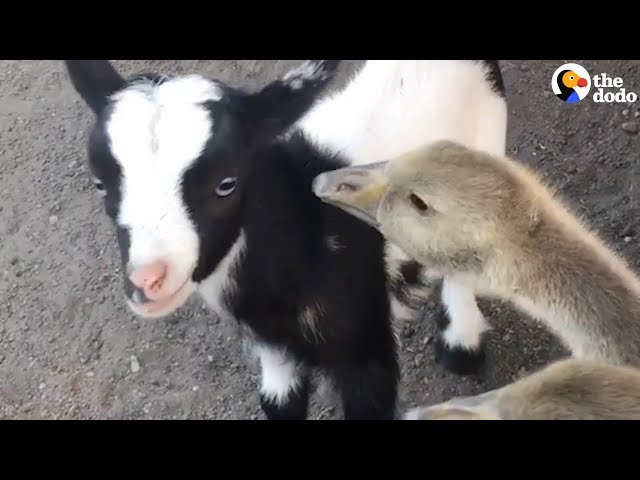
443	204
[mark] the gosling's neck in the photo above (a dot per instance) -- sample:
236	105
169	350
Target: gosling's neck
562	274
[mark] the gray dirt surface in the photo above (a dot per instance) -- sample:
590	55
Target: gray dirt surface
69	348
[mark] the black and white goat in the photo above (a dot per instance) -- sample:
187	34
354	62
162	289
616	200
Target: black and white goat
208	194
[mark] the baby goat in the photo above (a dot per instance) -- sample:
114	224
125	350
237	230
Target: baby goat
209	188
205	198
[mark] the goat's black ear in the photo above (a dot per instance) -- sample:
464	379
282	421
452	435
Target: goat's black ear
281	103
94	80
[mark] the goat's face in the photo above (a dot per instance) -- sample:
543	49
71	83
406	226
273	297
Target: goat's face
171	157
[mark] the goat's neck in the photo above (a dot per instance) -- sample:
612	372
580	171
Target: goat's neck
280	209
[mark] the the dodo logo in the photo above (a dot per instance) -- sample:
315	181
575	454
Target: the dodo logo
571	83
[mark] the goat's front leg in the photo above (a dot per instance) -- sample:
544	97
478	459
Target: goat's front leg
368	389
459	347
284	393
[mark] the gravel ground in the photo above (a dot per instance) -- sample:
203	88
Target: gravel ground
69	348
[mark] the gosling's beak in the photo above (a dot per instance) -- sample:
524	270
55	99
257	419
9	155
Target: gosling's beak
449	412
357	190
476	407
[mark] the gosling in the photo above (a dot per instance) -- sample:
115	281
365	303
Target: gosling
491	224
569	389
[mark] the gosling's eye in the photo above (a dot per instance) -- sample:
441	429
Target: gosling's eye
99	187
418	203
571	78
226	187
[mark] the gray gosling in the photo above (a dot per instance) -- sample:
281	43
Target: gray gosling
570	389
490	224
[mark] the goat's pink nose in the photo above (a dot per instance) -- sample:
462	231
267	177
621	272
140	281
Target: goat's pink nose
150	278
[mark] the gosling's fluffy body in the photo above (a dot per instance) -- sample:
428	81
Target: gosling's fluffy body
570	389
493	226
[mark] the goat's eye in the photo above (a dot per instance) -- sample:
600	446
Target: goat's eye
418	203
226	187
99	187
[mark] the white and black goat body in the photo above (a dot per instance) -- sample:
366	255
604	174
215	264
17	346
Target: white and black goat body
208	195
203	198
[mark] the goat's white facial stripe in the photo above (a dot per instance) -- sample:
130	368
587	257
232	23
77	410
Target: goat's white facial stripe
156	133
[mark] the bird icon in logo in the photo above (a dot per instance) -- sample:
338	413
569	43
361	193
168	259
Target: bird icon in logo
567	80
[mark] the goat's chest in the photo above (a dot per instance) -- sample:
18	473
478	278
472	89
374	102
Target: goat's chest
217	295
219	289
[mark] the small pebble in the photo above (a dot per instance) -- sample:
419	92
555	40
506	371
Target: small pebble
147	408
135	364
524	67
625	112
417	360
636	114
90	374
210	358
253	416
628	230
41	386
53	219
195	388
427	340
627	239
630	127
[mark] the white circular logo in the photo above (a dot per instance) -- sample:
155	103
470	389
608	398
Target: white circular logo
571	83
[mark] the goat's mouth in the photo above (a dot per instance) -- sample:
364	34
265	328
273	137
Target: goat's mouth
164	306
